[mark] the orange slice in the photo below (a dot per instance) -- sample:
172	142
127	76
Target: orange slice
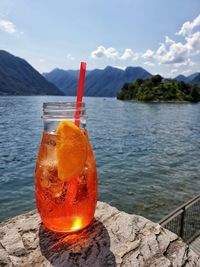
71	150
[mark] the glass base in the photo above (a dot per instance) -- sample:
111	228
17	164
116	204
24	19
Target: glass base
74	229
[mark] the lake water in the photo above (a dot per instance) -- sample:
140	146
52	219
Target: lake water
148	154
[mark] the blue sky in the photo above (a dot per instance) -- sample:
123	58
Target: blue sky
161	36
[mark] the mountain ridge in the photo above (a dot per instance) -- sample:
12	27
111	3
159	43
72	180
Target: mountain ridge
196	80
18	77
98	82
187	79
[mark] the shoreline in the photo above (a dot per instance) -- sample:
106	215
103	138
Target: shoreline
160	101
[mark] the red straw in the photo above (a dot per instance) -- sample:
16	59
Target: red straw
80	92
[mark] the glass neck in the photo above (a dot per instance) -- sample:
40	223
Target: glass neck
54	112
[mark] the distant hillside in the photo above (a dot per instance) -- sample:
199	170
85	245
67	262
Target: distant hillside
187	79
18	77
196	80
181	78
66	81
191	77
158	89
106	82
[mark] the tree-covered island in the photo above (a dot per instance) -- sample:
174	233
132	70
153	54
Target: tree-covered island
158	89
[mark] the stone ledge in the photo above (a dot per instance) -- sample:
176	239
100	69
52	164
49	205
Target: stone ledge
115	238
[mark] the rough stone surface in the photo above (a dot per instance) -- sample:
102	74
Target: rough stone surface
115	238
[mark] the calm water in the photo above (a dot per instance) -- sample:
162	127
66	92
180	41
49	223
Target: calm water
148	155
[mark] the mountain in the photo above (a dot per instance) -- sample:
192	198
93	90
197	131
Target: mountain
104	82
193	77
181	78
18	77
66	81
196	79
98	82
187	79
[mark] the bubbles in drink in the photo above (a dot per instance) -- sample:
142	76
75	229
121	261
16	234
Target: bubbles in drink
49	178
82	189
49	147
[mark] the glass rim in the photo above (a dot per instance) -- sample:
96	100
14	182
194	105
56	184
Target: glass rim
66	104
61	110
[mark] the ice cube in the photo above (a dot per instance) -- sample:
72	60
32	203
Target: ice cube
50	139
82	187
49	145
49	178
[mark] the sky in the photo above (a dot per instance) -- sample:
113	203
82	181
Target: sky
161	36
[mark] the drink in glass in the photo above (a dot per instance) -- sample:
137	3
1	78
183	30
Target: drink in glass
65	175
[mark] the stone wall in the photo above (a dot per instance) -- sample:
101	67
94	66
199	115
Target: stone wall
115	238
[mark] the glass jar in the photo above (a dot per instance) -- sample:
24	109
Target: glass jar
65	204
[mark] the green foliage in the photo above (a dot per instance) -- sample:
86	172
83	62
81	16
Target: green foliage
157	88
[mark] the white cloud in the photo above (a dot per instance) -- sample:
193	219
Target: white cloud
112	53
70	57
187	72
148	54
179	53
193	43
173	71
161	50
135	57
101	52
128	53
188	26
187	63
7	26
148	63
168	40
41	60
176	53
120	67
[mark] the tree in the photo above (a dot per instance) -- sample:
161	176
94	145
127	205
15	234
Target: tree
156	79
195	94
156	88
139	81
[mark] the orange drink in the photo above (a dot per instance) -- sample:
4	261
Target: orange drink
65	175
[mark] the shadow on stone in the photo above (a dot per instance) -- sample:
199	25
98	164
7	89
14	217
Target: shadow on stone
89	247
